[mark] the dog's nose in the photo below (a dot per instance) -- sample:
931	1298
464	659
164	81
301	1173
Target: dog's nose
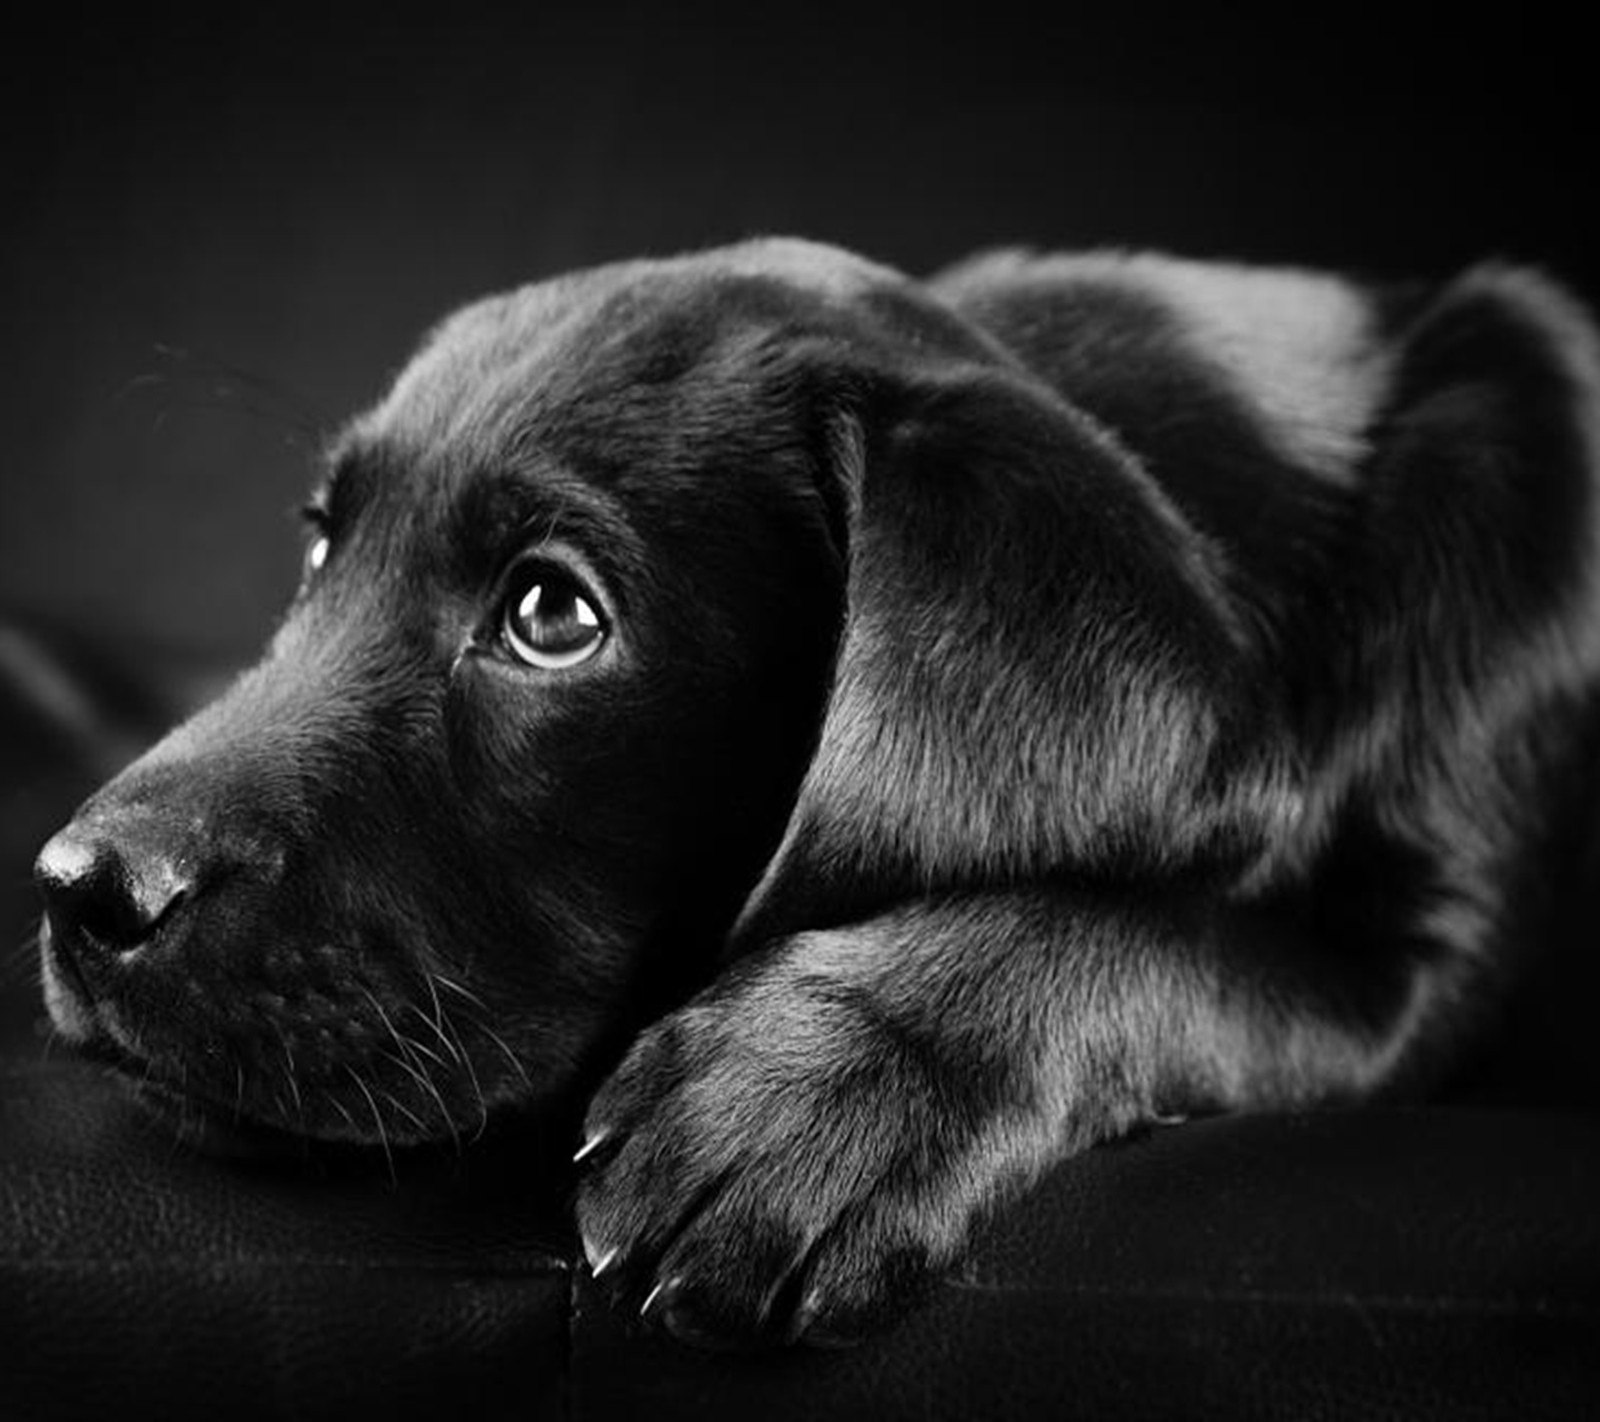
115	891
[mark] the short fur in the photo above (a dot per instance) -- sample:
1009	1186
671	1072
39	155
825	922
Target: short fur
1060	695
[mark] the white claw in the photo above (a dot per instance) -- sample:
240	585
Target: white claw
589	1146
597	1267
650	1298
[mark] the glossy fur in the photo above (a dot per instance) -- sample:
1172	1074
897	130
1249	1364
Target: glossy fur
1064	694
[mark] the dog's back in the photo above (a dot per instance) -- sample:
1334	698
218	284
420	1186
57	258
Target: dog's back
1400	488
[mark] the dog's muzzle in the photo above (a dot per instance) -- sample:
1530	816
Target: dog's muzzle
121	885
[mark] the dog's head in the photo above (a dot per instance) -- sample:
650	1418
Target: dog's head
539	720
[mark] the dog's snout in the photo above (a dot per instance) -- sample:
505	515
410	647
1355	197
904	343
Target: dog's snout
114	888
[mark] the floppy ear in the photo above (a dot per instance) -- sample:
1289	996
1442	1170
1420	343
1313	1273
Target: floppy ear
1039	673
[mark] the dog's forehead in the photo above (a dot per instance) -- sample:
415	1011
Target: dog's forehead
543	355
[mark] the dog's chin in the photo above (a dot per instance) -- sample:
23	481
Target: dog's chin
229	1129
178	1088
173	1097
198	1123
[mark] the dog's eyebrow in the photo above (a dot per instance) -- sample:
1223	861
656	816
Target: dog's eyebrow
500	509
482	516
353	474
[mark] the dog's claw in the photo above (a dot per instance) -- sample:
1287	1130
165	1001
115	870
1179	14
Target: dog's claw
652	1296
597	1267
592	1144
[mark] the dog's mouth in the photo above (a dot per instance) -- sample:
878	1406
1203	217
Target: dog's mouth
359	1075
88	1021
204	1123
96	1031
190	1116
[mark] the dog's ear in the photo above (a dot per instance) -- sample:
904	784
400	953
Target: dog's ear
1038	666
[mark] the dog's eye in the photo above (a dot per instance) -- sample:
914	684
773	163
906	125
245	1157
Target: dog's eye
550	620
318	523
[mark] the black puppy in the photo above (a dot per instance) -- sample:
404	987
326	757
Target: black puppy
1063	694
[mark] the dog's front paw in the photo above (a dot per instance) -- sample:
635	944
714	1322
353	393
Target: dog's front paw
782	1159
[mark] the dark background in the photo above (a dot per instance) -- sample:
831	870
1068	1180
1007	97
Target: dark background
222	235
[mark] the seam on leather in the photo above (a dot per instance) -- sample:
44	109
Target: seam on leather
1442	1303
541	1266
569	1346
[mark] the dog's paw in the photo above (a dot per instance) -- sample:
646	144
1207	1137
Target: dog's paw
781	1160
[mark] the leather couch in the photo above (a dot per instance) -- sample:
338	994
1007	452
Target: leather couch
1440	1261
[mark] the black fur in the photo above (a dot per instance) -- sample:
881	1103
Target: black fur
1035	702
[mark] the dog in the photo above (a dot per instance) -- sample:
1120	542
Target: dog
873	738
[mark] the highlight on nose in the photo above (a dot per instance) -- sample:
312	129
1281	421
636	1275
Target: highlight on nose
116	892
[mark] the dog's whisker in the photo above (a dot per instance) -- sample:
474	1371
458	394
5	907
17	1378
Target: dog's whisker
292	429
477	1091
343	1110
229	387
396	1104
183	1132
433	993
426	1083
465	1058
406	1059
377	1120
17	969
143	381
17	966
291	1075
378	1007
299	404
410	1053
449	1026
500	1042
438	1025
23	961
467	995
462	992
29	942
387	1021
422	1049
